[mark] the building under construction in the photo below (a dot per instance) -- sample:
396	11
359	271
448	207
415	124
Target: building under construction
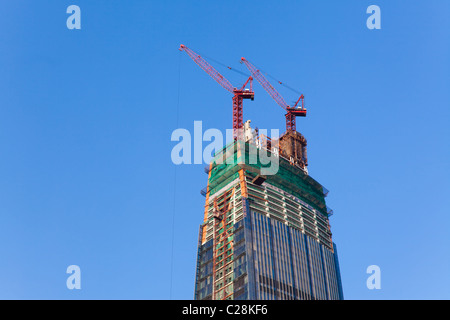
265	233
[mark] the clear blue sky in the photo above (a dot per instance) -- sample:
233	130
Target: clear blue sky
86	117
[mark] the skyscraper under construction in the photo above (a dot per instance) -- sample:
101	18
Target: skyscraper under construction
265	232
265	236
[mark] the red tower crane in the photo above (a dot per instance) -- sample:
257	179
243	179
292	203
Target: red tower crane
238	94
291	112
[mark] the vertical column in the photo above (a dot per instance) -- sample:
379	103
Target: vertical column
205	216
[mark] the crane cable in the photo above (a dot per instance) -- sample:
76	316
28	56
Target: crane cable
226	66
248	75
175	183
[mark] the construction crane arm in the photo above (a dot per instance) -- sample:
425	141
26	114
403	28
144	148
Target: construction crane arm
265	84
208	69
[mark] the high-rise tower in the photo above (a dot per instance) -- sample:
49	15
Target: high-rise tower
265	235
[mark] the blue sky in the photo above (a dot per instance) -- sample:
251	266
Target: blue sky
86	118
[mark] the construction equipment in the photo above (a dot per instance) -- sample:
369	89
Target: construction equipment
291	112
292	144
238	94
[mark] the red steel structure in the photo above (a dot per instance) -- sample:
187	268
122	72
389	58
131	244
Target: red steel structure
238	94
291	112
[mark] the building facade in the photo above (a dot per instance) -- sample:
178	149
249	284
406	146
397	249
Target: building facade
264	236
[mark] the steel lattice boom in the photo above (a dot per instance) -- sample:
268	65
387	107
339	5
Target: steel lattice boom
292	112
238	94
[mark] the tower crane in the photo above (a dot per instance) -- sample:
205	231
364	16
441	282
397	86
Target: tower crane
238	94
291	112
